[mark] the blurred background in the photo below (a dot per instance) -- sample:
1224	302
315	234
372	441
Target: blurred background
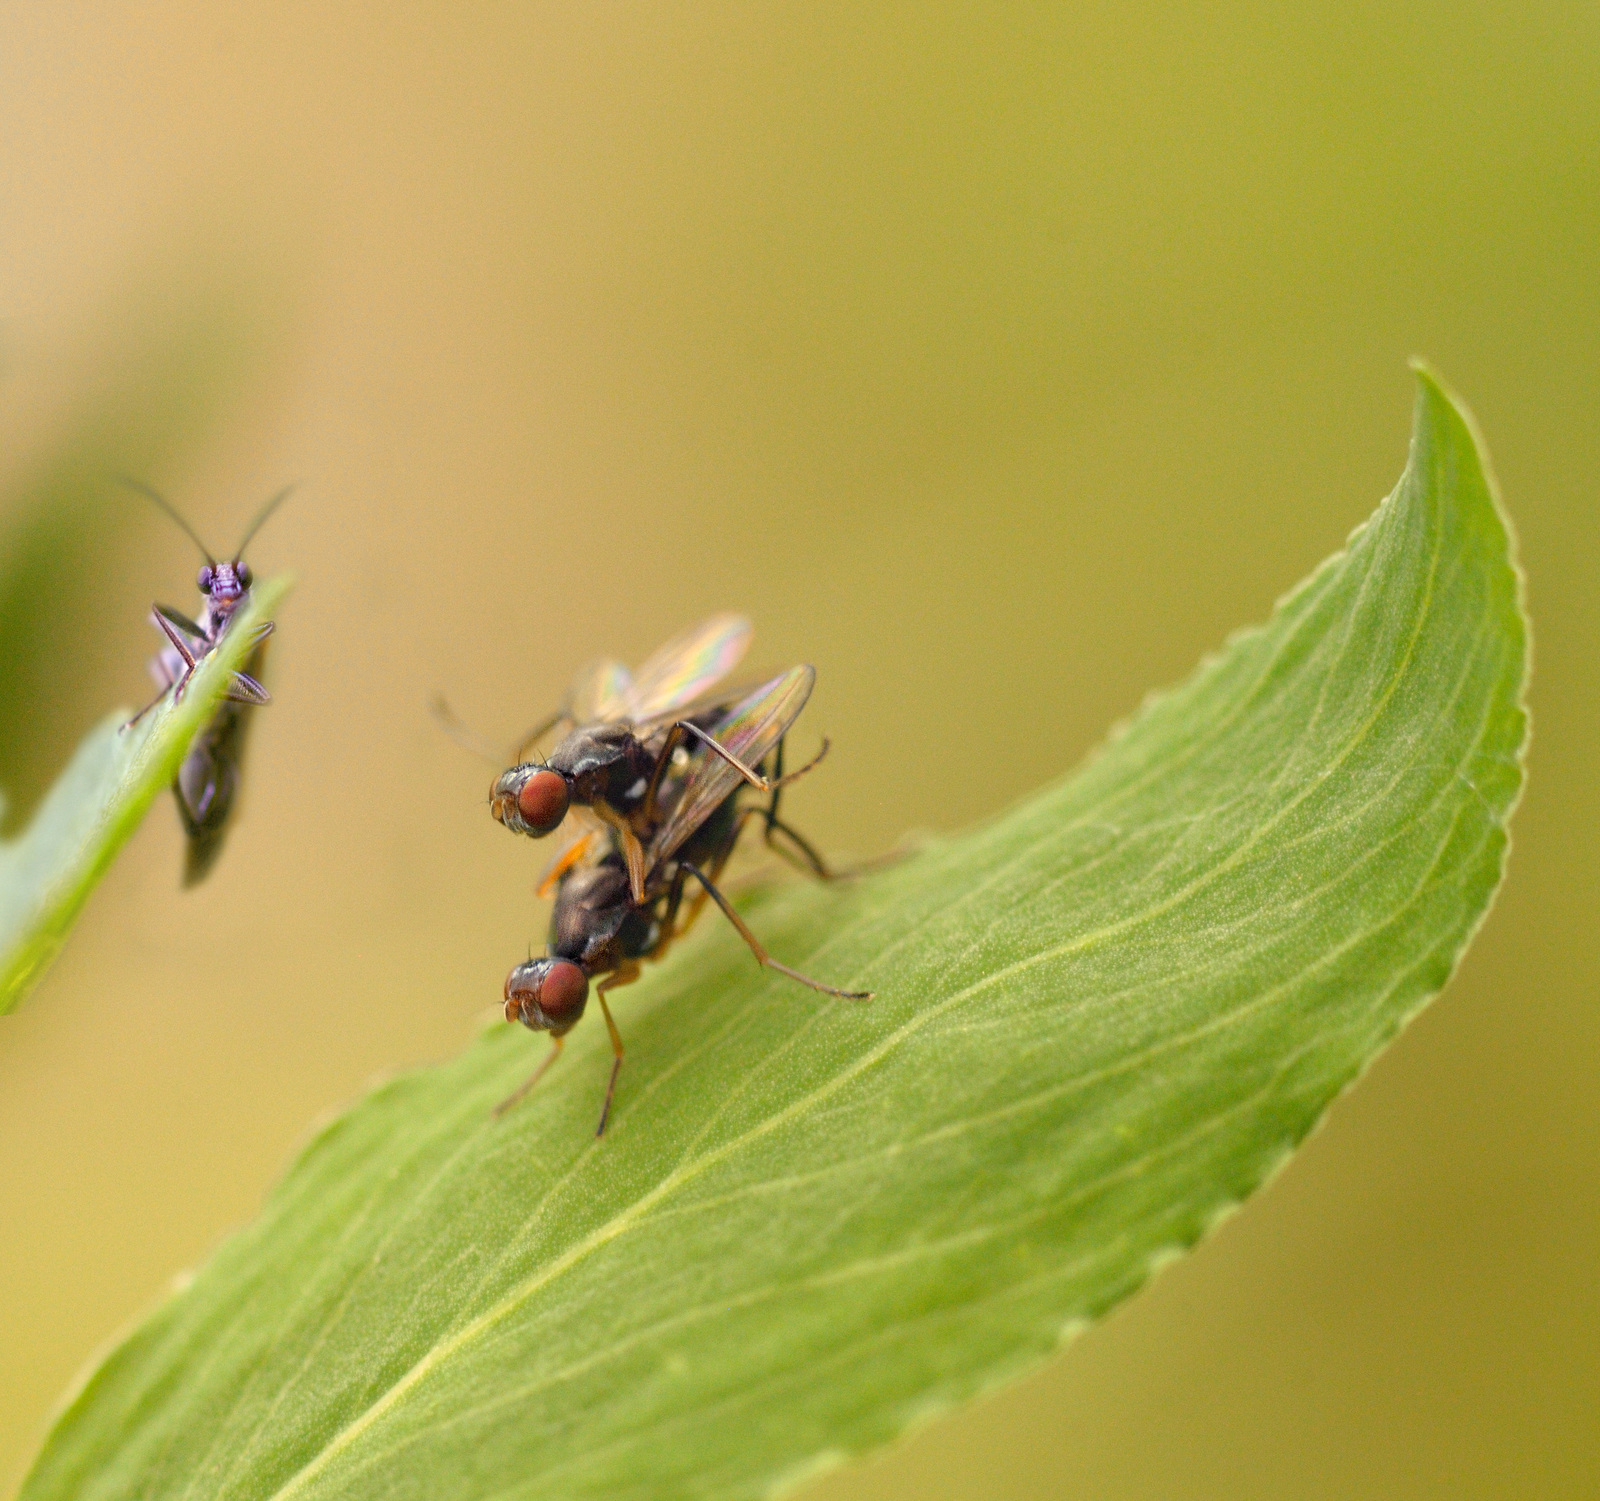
999	360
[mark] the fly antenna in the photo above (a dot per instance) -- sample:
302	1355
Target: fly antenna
170	509
261	516
458	732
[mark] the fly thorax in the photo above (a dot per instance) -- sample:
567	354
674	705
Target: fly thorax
587	756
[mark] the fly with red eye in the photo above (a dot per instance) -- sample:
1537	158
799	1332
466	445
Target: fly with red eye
624	732
599	930
208	778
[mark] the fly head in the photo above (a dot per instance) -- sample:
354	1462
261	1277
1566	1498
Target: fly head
530	799
547	995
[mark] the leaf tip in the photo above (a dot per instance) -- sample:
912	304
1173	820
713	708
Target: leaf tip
1436	400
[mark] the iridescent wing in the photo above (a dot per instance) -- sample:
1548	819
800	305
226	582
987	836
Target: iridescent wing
686	667
749	730
599	693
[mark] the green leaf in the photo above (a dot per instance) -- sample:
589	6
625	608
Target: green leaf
177	359
48	871
1100	1023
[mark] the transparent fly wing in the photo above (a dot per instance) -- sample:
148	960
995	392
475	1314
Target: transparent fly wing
687	666
599	692
701	710
749	730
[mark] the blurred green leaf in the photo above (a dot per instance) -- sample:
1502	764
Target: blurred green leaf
48	871
65	526
1101	1022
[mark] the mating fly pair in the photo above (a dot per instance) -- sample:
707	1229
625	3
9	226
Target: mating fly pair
655	764
208	778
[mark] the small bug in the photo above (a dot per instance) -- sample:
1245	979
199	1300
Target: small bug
208	778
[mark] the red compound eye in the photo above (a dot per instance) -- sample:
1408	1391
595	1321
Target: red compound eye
564	992
542	801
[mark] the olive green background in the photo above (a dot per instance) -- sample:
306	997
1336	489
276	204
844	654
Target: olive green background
999	361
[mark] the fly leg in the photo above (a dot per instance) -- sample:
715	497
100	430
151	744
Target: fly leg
762	956
753	777
803	855
516	1094
719	861
564	862
632	849
681	731
624	974
799	851
669	927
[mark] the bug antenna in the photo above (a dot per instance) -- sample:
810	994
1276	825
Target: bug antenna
170	509
261	516
458	732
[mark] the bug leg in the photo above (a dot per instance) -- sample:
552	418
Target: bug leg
682	730
171	631
803	855
175	630
719	861
671	929
244	689
624	974
825	872
569	857
516	1094
753	777
800	852
632	849
148	707
464	737
781	779
648	812
156	664
762	956
182	621
778	781
170	628
810	860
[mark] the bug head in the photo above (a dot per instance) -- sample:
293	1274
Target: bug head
224	584
530	799
547	995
